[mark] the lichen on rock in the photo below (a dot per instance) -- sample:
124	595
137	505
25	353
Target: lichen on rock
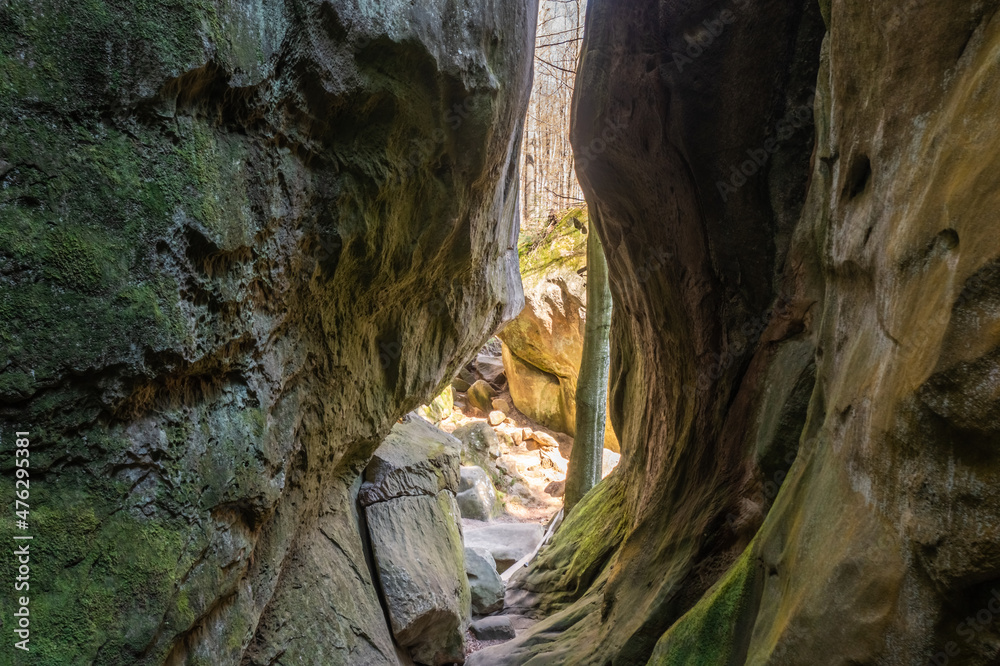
237	242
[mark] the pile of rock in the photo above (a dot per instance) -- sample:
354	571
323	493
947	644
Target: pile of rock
433	578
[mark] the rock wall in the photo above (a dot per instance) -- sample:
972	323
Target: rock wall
827	326
238	240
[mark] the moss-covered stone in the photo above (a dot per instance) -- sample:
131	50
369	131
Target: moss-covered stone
711	633
238	240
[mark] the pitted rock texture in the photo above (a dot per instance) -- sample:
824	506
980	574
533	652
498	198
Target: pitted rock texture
839	342
417	546
237	242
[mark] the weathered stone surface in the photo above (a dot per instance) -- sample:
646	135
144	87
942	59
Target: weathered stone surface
441	407
479	442
543	345
496	417
481	395
477	498
847	355
501	405
485	584
496	628
506	542
706	293
239	240
420	559
491	368
415	459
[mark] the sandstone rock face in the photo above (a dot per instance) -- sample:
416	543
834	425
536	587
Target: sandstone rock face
826	325
485	584
543	345
497	628
415	459
440	407
417	546
237	242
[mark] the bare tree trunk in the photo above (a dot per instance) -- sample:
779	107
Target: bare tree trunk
592	386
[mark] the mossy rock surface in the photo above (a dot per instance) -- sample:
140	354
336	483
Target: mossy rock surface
238	240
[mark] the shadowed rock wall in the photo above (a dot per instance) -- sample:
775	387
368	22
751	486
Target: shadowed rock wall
238	240
828	326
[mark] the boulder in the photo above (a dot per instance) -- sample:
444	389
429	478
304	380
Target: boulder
440	407
416	458
485	584
420	561
460	385
480	396
479	442
239	241
477	499
543	440
506	542
491	368
543	346
496	628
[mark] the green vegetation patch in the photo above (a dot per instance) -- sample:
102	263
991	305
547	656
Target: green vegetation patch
709	633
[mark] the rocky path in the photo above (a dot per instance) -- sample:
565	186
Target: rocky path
523	461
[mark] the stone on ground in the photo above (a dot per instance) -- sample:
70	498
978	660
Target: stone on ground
415	459
495	628
477	499
501	405
420	559
506	542
479	441
496	417
544	440
485	585
480	396
490	367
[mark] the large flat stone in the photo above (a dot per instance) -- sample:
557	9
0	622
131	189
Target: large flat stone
417	546
416	458
506	542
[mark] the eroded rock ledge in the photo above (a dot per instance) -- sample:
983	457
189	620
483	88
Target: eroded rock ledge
237	242
828	324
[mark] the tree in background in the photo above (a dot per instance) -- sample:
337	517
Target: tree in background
548	180
586	459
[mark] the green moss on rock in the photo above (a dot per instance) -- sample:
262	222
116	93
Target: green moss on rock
709	633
